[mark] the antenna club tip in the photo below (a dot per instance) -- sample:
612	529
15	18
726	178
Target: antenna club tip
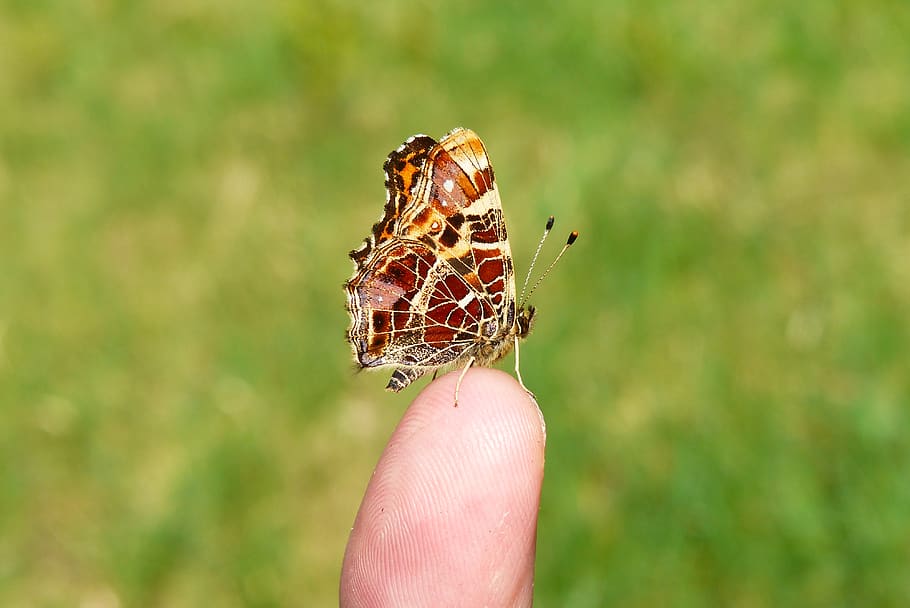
550	222
572	237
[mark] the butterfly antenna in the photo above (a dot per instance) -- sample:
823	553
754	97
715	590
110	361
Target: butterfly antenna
546	233
572	237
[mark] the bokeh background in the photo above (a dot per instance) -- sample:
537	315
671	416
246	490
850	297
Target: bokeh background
722	359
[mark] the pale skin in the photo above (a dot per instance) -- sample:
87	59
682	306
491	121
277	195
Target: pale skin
449	517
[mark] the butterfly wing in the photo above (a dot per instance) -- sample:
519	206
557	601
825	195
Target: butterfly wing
434	280
457	211
412	311
402	169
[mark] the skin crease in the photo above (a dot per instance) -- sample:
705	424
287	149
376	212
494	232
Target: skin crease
449	517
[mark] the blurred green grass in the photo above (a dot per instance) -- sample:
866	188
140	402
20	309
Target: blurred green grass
722	358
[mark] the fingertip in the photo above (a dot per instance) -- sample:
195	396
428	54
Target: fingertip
488	397
454	499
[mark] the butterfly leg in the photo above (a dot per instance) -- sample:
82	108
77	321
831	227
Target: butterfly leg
461	377
518	371
435	371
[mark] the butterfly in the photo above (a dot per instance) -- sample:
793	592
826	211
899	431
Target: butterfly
434	284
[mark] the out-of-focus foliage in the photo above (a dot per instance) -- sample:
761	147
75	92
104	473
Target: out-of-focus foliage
722	358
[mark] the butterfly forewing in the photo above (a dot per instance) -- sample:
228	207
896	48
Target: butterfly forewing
403	169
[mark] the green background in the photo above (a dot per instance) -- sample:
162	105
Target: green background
722	358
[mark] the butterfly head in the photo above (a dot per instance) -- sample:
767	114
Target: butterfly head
525	320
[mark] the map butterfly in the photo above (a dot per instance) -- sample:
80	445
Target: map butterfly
434	284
